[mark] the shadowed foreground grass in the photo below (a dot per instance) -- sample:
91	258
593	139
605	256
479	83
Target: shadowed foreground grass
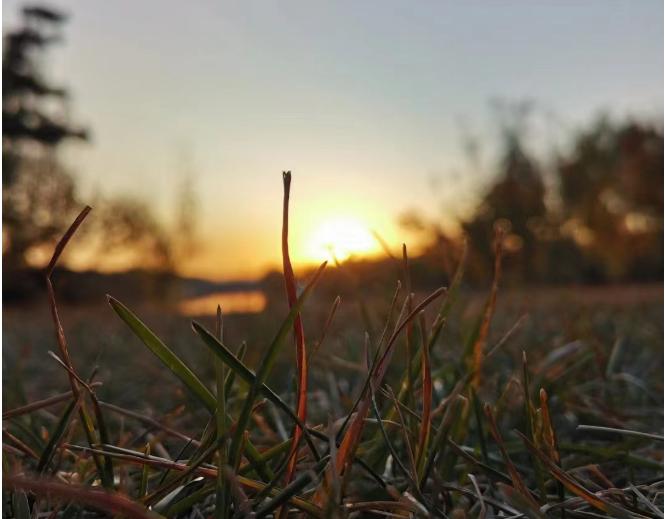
424	406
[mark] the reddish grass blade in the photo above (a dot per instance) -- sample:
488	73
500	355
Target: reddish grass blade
25	449
60	246
151	422
298	331
549	434
105	467
426	423
59	331
138	458
481	338
409	327
550	439
41	404
111	502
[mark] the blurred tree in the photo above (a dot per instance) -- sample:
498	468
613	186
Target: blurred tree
611	188
38	196
605	224
516	203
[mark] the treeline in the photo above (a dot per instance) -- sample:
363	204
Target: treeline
599	221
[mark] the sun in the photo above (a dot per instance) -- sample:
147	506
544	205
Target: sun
339	238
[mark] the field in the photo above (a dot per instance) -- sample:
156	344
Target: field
531	402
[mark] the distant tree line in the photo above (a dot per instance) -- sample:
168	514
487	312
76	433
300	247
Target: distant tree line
602	223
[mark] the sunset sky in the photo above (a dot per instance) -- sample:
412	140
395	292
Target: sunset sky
366	102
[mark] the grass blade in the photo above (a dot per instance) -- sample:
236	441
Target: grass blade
572	485
220	415
20	505
265	367
163	353
111	502
290	491
352	436
243	372
426	422
515	476
298	332
176	365
105	466
530	413
482	331
143	484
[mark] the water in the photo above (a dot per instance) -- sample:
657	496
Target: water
245	302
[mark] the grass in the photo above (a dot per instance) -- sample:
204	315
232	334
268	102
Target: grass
429	406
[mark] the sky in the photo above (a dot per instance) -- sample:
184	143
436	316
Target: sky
367	103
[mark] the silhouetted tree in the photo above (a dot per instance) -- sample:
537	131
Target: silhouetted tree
515	202
606	226
38	196
612	193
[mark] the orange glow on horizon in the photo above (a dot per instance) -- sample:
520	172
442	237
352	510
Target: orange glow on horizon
325	237
320	229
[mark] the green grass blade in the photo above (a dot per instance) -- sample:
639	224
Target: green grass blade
231	375
143	484
163	353
220	415
237	367
56	436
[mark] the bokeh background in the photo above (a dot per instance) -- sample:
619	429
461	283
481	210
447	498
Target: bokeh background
427	126
175	120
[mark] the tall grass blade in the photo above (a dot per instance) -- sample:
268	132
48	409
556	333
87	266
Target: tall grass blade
480	336
426	422
105	466
265	366
298	332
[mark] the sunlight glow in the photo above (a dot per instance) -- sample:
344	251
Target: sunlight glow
340	238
